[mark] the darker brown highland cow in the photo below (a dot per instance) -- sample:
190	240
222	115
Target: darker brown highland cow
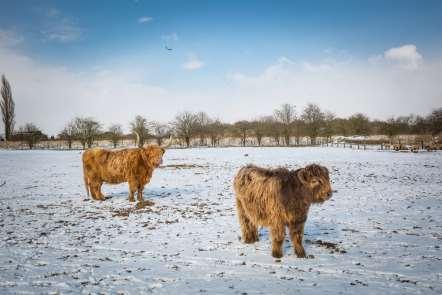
277	198
132	165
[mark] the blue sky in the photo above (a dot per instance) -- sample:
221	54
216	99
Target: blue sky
221	48
226	28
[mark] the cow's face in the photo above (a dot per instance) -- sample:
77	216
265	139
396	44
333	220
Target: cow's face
317	179
153	155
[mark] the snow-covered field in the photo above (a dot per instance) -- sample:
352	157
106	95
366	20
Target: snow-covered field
383	227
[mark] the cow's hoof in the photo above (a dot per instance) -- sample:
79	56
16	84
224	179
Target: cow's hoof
277	254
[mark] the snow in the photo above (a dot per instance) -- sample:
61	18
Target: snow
383	226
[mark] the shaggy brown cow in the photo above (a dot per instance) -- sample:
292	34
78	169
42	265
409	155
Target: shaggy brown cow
132	165
278	198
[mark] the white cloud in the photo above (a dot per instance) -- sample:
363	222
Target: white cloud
342	86
319	67
193	63
406	56
64	32
60	28
170	37
50	95
144	19
9	38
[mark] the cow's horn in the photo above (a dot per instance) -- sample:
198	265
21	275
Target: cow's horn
137	140
168	144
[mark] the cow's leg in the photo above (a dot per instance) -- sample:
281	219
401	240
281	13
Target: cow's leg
140	193
133	187
278	233
96	190
92	191
100	194
90	187
296	235
249	231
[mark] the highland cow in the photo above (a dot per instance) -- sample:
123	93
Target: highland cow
132	165
277	198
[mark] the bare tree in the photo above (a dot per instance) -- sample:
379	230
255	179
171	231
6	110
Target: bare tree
88	131
31	134
286	115
390	128
69	133
140	127
314	120
341	127
115	132
203	121
274	129
359	124
160	132
242	128
435	121
327	130
8	108
186	126
260	128
216	131
298	127
419	125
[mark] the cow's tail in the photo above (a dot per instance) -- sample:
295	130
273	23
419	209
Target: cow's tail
86	181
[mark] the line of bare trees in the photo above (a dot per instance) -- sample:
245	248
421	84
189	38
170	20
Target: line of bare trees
286	126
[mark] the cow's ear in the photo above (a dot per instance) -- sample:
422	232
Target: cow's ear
303	176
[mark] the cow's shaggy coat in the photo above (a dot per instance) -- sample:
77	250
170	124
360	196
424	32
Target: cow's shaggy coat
132	165
277	198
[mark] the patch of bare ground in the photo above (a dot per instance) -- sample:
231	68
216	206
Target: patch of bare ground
333	247
182	166
140	207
